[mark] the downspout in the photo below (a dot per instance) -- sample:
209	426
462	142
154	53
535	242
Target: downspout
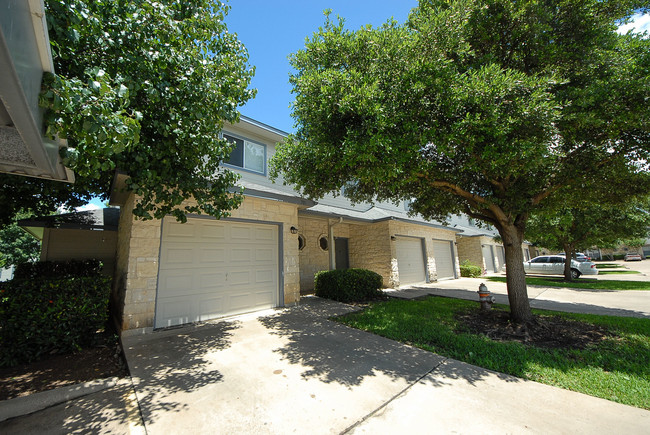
331	240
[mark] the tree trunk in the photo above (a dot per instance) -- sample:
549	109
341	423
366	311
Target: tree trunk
568	253
515	275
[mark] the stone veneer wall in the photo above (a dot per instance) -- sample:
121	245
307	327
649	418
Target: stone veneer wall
369	246
138	251
398	228
469	248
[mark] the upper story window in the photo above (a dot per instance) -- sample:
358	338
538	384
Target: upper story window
246	154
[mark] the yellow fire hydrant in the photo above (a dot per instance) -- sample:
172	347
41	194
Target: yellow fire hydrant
484	297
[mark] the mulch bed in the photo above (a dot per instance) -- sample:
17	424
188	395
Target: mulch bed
553	332
102	361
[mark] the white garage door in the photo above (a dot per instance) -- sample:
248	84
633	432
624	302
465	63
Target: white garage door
211	268
488	257
501	255
410	261
442	252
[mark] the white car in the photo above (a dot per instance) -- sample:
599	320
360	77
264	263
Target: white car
554	265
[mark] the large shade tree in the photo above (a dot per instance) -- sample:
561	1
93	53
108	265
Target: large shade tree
573	228
483	107
144	88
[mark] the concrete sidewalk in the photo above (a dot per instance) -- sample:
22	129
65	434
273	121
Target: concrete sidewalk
628	303
294	371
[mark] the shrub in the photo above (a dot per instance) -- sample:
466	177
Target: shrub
468	270
349	285
44	316
58	269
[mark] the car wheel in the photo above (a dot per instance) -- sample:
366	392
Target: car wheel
575	274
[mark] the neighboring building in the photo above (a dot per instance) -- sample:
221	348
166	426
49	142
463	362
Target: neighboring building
169	273
83	235
479	245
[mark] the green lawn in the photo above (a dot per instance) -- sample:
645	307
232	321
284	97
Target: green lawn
608	266
585	283
618	272
617	369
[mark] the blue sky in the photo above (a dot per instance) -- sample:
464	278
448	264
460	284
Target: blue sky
272	30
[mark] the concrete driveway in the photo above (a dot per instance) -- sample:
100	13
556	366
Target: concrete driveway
294	371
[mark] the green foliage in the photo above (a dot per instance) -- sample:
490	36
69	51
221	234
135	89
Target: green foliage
58	269
349	285
468	270
17	246
25	196
615	369
145	88
43	316
582	226
483	107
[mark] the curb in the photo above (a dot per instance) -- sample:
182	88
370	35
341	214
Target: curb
24	405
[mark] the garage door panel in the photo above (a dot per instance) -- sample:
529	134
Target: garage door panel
267	234
213	231
174	311
241	255
211	307
177	230
178	256
212	255
264	276
213	269
410	260
264	255
443	255
240	232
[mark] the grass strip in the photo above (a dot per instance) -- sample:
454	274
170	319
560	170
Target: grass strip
618	272
584	283
617	369
609	266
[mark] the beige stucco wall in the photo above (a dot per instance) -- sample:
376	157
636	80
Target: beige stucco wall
70	244
139	247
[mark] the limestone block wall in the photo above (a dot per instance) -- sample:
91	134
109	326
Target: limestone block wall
137	268
312	258
399	228
138	250
370	248
469	249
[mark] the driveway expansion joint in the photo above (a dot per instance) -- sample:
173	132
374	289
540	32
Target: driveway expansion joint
394	397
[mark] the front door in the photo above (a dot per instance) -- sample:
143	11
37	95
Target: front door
341	253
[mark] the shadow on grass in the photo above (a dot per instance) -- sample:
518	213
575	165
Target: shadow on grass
617	369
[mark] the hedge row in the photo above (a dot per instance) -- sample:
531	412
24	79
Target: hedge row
348	285
44	316
468	270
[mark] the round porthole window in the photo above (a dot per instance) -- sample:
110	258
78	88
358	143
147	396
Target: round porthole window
323	243
301	242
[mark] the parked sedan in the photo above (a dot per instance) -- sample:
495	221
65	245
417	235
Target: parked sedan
633	257
554	265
